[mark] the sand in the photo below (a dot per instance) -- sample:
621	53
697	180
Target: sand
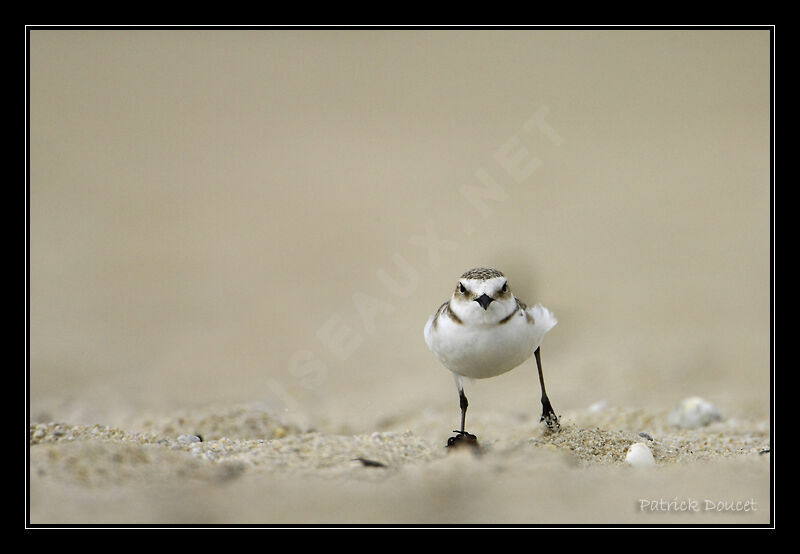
251	468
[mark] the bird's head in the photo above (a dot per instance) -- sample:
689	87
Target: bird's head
482	295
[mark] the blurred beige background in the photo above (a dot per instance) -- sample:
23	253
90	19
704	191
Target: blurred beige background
257	216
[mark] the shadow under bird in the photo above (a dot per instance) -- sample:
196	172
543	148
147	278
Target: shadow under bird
483	331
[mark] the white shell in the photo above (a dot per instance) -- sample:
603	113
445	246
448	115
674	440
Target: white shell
694	412
639	455
599	406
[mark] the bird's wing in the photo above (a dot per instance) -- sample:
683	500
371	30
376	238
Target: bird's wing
543	321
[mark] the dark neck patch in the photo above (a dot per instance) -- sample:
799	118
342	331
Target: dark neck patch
444	310
452	315
514	312
520	306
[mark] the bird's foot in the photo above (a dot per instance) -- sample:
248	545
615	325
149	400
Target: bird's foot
551	420
549	417
462	439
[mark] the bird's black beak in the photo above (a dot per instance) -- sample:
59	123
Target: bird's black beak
484	301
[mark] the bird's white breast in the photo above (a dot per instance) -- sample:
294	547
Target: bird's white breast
484	350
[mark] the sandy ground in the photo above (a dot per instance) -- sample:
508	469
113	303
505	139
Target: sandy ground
253	469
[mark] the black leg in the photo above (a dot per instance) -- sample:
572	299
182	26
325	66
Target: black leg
548	415
463	401
462	437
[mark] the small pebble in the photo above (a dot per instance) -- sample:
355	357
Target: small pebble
646	436
639	455
188	439
599	406
370	463
693	413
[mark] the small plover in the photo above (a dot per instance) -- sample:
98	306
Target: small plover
484	331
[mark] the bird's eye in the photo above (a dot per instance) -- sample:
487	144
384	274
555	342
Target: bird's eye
505	287
462	288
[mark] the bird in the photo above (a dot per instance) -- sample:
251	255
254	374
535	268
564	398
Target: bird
482	331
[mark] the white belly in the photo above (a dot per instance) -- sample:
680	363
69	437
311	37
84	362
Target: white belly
481	351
